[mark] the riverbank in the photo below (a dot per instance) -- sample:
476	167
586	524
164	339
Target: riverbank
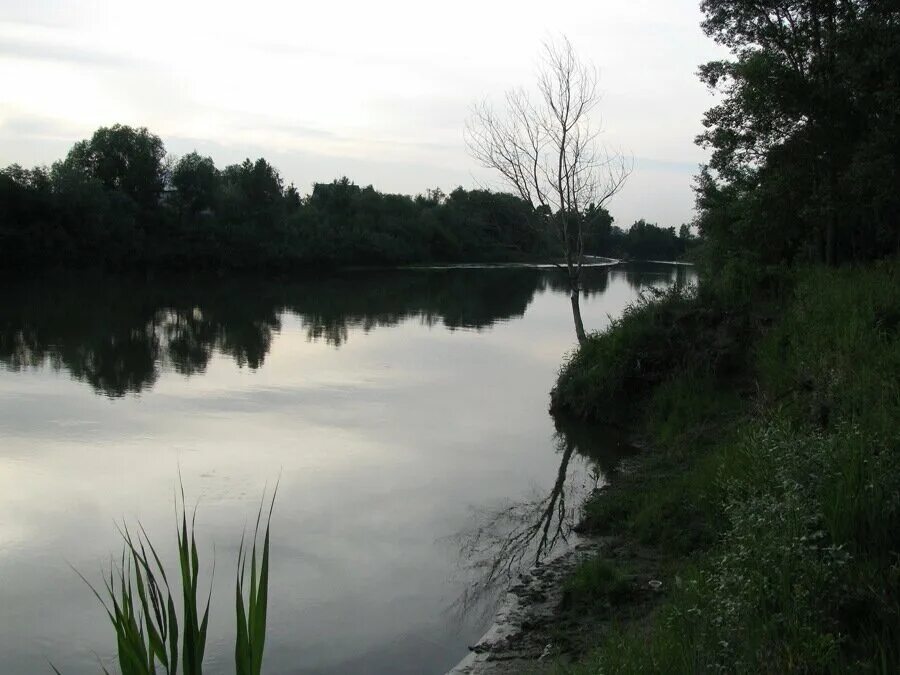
769	499
543	616
773	490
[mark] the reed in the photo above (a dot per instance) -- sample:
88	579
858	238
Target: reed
154	633
251	617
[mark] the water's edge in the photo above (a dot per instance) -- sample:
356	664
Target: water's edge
516	636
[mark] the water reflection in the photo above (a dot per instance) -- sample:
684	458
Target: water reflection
388	402
643	275
505	539
119	335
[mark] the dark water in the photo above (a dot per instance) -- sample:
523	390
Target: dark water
405	413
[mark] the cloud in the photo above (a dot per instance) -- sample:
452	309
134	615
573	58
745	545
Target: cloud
279	127
40	50
36	126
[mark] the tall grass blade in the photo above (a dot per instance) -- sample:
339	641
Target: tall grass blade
252	614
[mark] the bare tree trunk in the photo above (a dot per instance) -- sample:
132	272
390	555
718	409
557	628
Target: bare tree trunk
549	151
574	273
576	313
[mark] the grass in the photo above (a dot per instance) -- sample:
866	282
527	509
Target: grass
251	616
665	334
773	486
154	633
595	581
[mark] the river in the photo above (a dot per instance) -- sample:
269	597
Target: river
404	413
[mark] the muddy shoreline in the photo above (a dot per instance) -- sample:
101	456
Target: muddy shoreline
534	627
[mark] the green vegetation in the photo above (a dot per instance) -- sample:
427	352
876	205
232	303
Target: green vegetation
145	617
251	616
117	201
804	161
770	395
595	581
659	334
773	489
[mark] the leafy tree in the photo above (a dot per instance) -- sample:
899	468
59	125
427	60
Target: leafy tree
804	140
648	241
27	223
196	180
292	199
257	183
123	158
599	233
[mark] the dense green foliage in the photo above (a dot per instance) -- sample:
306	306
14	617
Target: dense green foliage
661	333
117	201
806	139
774	486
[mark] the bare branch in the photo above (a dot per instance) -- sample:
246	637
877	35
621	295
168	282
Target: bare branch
548	150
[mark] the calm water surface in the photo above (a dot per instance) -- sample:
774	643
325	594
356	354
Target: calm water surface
405	413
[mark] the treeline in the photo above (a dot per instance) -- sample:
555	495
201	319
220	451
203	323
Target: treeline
642	241
118	201
805	142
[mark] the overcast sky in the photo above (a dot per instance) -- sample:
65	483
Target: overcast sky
376	90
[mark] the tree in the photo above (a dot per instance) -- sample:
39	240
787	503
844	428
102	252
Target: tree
805	156
292	199
598	231
253	192
85	211
126	159
258	182
196	180
548	150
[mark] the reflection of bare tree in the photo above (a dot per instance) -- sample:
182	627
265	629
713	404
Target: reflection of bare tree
506	539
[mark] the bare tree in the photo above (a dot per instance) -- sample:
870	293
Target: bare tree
547	148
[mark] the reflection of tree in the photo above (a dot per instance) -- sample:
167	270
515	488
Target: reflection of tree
683	275
636	276
640	275
503	540
118	334
458	298
594	280
116	363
